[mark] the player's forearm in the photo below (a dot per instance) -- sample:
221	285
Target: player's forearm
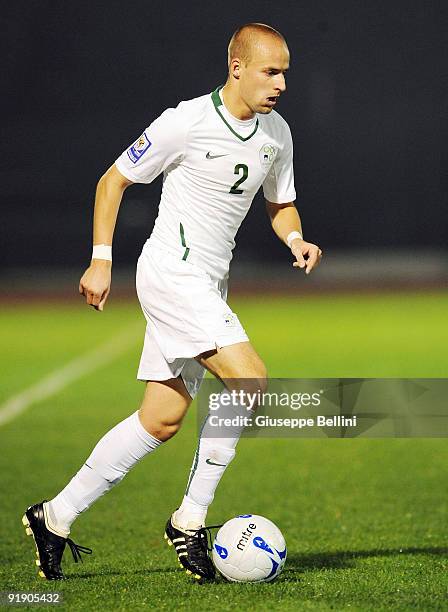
107	203
284	219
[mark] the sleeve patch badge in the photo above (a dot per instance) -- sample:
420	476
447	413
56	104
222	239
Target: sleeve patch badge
139	147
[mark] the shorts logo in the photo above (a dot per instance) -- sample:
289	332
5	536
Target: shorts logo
267	155
230	319
139	147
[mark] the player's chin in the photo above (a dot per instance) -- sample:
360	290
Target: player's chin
265	109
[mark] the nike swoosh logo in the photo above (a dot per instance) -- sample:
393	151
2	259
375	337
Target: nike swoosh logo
210	156
210	462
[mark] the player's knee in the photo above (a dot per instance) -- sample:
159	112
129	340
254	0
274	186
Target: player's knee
254	385
253	379
256	380
262	378
163	431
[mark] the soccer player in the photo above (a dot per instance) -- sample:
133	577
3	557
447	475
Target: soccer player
215	152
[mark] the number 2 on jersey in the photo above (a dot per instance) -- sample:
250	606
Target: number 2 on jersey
235	187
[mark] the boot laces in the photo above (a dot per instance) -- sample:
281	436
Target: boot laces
204	538
77	550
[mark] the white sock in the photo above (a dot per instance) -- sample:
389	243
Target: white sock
212	457
111	459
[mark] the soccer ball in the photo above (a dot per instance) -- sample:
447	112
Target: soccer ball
249	548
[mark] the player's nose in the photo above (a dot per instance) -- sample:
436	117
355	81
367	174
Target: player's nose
281	82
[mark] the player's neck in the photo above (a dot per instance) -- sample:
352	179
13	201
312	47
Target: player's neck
234	104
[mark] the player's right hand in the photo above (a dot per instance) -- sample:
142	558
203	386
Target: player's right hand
95	283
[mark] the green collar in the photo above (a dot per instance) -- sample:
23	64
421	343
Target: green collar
217	102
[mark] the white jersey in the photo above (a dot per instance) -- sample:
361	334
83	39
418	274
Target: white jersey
213	165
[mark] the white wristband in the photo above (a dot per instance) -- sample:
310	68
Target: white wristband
292	236
102	251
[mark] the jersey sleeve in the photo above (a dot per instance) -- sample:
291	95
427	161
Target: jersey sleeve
161	144
278	186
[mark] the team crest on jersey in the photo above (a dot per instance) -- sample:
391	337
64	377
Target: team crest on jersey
139	147
267	154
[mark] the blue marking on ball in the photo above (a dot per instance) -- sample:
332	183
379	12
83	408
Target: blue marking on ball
281	553
260	543
222	552
274	568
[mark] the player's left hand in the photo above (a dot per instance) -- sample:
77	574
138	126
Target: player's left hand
307	255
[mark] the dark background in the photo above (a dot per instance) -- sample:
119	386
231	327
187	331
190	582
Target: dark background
366	102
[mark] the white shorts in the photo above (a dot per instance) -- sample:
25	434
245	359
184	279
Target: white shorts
186	315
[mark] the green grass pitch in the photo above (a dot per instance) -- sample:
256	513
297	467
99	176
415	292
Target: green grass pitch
364	520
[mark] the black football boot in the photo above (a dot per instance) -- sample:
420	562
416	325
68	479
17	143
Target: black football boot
192	550
49	546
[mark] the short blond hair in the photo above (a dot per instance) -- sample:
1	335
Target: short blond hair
244	39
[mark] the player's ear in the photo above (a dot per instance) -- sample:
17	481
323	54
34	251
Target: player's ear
235	68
